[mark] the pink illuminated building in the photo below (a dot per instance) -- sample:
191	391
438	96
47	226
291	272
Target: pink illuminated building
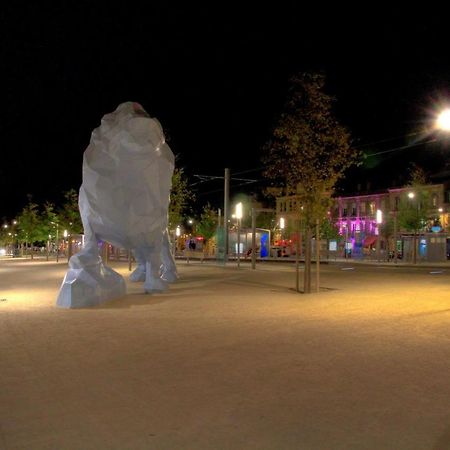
356	217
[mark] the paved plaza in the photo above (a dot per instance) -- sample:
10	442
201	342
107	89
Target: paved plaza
228	359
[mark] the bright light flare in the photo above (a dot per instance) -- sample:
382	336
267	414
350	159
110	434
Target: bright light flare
379	216
443	120
239	210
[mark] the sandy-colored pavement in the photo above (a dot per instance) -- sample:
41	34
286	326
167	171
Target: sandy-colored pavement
228	359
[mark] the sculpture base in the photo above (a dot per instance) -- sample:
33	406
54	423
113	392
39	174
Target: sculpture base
90	286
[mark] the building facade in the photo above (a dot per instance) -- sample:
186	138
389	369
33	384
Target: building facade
368	225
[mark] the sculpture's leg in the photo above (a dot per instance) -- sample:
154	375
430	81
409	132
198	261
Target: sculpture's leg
168	267
88	282
138	274
153	282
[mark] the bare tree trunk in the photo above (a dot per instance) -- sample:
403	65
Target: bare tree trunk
307	272
415	248
317	257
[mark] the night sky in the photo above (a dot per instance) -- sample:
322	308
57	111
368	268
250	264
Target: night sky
215	79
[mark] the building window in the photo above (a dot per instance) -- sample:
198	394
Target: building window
353	209
362	208
434	200
344	212
397	202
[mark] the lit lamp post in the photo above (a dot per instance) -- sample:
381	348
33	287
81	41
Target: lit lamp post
443	120
177	235
5	227
282	225
411	195
57	239
238	215
16	245
48	245
379	220
395	237
65	234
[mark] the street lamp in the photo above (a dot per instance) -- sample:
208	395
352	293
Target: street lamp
238	214
177	235
379	220
443	120
282	225
57	239
66	237
412	195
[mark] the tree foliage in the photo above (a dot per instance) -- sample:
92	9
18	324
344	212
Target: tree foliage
48	220
413	213
208	222
308	153
69	215
329	230
180	196
29	224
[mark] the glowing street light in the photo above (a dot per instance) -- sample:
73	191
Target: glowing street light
412	195
443	120
282	223
238	214
69	247
379	220
379	216
57	239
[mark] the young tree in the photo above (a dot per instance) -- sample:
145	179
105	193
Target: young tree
328	230
207	224
49	220
414	207
309	152
180	196
69	215
29	225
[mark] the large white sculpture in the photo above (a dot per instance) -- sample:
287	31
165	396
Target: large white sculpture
124	197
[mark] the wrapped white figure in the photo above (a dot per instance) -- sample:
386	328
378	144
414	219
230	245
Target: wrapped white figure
124	198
